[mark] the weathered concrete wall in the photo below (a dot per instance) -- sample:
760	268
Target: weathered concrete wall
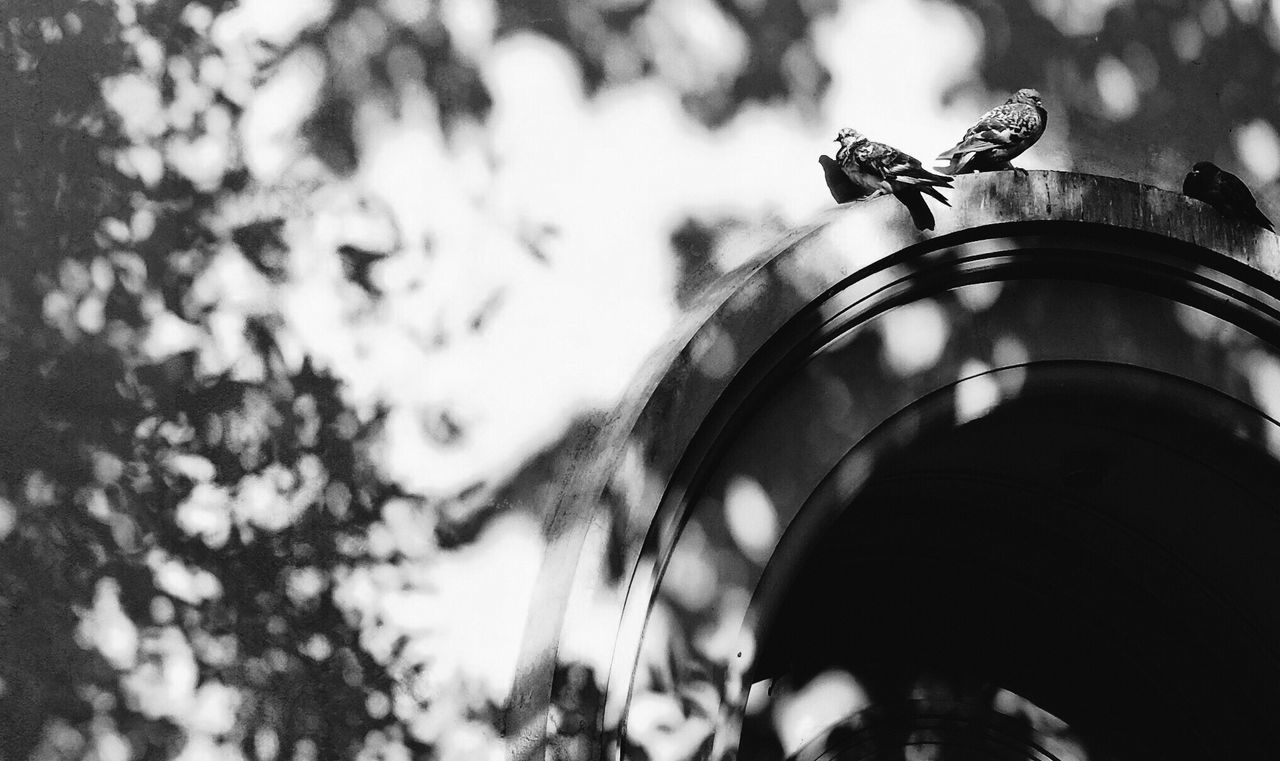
643	629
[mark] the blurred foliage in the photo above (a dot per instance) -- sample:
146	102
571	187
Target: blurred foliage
375	50
182	491
210	509
770	55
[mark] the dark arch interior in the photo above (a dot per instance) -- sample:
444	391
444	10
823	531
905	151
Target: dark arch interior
1112	558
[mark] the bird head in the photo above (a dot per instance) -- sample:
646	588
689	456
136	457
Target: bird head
1199	177
1027	95
849	136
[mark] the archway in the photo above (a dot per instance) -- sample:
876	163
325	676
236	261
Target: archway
1078	372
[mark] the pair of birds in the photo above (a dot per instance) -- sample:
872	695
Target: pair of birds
863	168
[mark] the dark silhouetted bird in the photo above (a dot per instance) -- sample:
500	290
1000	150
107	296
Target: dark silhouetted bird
999	136
1225	192
841	187
873	167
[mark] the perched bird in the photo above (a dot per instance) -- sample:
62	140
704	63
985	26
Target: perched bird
1225	192
841	187
999	136
873	168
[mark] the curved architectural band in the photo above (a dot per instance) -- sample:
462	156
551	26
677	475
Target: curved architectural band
980	488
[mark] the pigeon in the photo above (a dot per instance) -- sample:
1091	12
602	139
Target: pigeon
999	136
1225	192
842	188
874	168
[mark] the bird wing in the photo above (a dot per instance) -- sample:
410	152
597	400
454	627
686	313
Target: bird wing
1234	191
1240	199
1005	125
933	191
902	175
891	163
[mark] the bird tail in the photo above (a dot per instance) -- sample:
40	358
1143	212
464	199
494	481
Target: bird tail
921	177
959	157
955	163
1261	219
931	190
915	203
973	144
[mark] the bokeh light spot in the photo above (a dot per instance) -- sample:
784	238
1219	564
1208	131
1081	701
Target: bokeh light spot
691	576
826	699
8	517
1117	88
751	517
713	352
914	336
1258	149
977	394
1009	352
1187	39
979	296
1263	371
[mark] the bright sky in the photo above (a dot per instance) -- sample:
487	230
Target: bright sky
613	176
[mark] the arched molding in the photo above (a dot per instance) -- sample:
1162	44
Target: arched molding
783	388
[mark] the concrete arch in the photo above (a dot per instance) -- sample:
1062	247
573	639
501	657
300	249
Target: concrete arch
812	372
